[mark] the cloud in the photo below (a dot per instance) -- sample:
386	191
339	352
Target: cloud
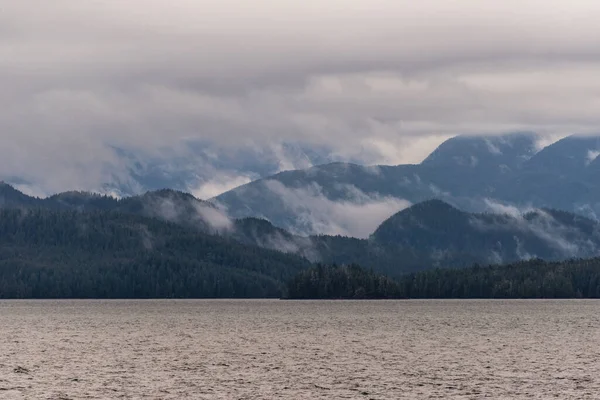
378	81
358	215
146	237
183	209
592	155
218	185
496	207
567	240
281	241
215	217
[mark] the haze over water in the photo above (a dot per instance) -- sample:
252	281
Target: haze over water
269	349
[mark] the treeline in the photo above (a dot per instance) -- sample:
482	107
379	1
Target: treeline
527	280
108	254
341	282
70	254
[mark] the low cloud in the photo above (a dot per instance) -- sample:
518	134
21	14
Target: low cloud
566	239
358	215
220	184
81	78
592	155
188	211
215	217
496	207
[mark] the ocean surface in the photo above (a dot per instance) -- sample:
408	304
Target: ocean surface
271	349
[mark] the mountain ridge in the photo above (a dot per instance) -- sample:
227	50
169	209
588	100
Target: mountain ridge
505	169
429	234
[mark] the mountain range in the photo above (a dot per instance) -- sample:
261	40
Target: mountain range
474	200
429	234
473	173
328	196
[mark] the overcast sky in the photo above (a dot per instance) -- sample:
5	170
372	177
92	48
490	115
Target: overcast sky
395	77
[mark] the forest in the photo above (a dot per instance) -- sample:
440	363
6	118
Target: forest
70	254
77	245
534	279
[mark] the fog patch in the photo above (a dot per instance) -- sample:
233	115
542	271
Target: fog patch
492	147
505	209
215	217
521	252
218	185
146	237
284	242
358	215
184	209
592	155
568	241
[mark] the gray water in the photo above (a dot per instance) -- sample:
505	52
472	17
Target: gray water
269	349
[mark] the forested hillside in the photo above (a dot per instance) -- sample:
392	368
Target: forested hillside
426	235
99	254
435	234
170	244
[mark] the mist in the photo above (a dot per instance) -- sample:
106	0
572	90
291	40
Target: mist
83	79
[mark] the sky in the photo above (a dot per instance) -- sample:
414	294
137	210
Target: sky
384	81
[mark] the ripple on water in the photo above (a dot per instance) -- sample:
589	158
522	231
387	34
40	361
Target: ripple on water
263	349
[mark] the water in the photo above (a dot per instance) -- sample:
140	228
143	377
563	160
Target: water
265	349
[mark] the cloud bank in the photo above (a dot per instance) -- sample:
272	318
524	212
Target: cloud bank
380	81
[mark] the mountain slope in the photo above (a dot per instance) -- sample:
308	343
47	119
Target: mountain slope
172	206
435	234
428	234
313	201
507	151
464	171
11	197
103	254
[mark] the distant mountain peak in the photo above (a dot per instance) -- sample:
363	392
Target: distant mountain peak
429	214
429	205
568	155
510	149
172	193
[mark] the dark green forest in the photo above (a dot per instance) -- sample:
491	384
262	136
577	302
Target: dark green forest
106	254
431	234
160	245
529	280
535	279
70	254
342	282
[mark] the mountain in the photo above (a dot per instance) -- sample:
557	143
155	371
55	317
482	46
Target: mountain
438	228
567	157
104	254
493	152
563	175
469	172
165	204
436	234
464	165
171	206
194	165
322	199
429	234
